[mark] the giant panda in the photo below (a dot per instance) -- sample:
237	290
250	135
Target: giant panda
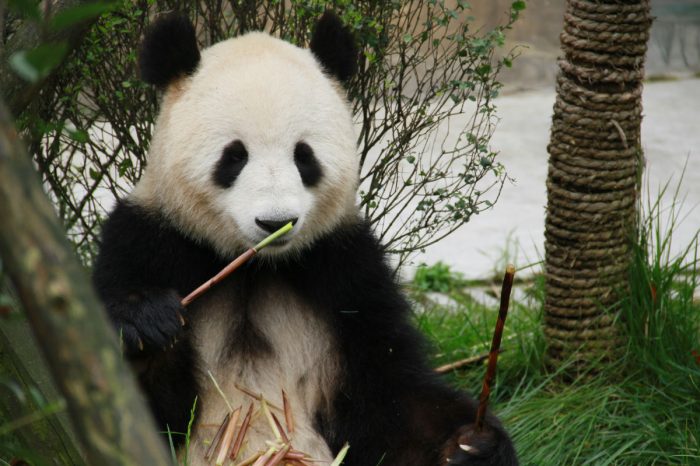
254	132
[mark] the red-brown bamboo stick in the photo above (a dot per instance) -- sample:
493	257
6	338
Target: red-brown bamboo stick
236	263
285	438
241	433
495	346
215	441
227	438
256	396
295	455
288	417
225	272
279	456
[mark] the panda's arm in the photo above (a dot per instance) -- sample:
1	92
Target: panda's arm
143	268
390	403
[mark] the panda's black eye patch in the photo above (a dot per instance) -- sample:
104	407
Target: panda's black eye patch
306	163
231	163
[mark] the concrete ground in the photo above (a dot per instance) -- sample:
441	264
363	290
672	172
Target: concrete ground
514	228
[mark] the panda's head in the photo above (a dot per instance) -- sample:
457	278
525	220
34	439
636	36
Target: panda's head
254	132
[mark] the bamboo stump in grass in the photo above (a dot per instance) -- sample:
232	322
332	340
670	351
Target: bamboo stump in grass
595	163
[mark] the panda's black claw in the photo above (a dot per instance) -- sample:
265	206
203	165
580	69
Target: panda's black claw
129	339
149	321
486	447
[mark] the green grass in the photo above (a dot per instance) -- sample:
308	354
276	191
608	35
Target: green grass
642	409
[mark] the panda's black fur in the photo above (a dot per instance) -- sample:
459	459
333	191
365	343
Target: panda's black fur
389	404
335	47
169	50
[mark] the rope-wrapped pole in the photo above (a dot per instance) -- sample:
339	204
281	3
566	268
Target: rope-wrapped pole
595	163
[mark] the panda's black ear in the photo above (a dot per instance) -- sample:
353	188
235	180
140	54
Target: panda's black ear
334	45
169	50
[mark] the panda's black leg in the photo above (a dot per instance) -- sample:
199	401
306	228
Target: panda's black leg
411	418
151	325
441	420
168	380
401	412
488	446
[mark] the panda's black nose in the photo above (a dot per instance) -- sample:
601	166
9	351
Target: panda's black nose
272	225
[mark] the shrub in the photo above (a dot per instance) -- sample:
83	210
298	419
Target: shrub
422	66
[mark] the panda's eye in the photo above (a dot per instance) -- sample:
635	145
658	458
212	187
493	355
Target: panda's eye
306	163
230	164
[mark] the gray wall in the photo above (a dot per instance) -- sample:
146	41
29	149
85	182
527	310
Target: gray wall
674	47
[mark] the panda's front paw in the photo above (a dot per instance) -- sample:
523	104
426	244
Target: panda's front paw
147	321
469	447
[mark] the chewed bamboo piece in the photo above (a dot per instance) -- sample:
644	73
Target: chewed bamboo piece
217	437
288	418
341	455
270	421
462	363
279	427
228	442
236	263
242	433
227	438
495	346
279	456
256	396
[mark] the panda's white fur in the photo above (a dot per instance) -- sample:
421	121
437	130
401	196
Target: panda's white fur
303	363
200	115
222	102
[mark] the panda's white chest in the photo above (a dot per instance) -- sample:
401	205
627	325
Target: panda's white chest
269	343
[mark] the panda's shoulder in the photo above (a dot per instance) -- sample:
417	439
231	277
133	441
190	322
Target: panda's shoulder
352	243
138	241
129	221
348	259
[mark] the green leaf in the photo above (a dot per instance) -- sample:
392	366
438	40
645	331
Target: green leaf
78	135
94	174
518	5
483	70
36	64
124	166
78	14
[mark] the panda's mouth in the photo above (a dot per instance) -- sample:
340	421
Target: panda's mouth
274	228
277	245
252	235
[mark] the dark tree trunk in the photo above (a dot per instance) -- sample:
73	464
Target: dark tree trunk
110	418
595	163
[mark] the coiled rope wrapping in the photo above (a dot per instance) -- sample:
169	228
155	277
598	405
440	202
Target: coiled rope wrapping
594	165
